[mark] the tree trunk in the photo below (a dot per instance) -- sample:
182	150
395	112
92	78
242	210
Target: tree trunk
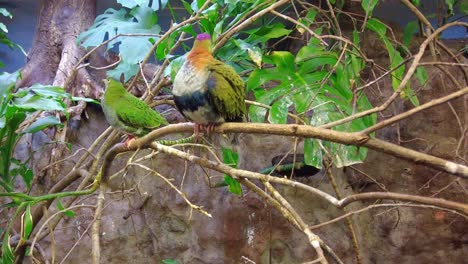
51	60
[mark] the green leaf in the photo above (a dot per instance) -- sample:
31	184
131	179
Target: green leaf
23	170
27	175
48	91
155	4
84	99
450	4
7	253
416	2
42	123
187	7
27	223
312	153
68	213
265	33
4	28
5	13
284	61
230	158
279	111
254	52
464	6
368	5
132	3
169	261
233	185
174	67
36	102
128	69
7	83
141	19
409	31
377	26
421	75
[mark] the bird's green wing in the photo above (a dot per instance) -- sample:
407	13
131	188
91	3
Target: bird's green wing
226	89
137	114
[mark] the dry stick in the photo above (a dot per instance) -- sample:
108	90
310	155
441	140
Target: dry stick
86	179
294	130
403	83
349	221
339	218
50	218
347	41
432	63
314	240
464	128
91	173
75	244
333	16
415	110
181	193
270	200
286	214
454	57
224	38
383	75
460	207
238	173
300	25
424	20
59	186
312	132
429	27
95	233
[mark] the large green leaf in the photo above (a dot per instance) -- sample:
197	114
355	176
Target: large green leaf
305	82
395	60
410	29
27	223
230	158
42	123
140	20
48	91
36	102
279	111
368	5
133	3
7	83
312	153
128	69
265	33
7	252
5	13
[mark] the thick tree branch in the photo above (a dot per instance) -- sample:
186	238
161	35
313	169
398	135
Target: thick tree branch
415	110
346	138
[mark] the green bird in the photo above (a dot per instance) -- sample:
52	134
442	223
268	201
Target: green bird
208	91
127	113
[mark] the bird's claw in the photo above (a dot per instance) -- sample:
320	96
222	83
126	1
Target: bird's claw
203	128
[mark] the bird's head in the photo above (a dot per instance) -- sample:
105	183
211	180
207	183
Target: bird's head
203	41
113	86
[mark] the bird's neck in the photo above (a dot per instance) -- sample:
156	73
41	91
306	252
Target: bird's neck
199	57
